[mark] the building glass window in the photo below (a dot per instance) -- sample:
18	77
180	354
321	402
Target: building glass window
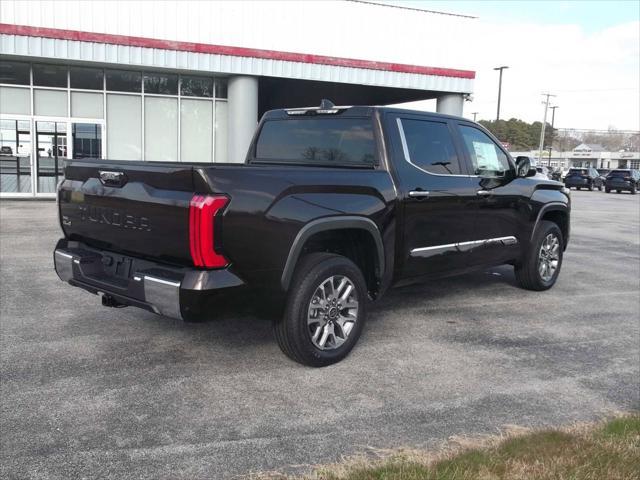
161	83
196	130
15	73
221	88
124	127
196	86
159	117
50	75
87	105
86	78
124	81
51	150
51	103
221	133
87	140
15	101
15	156
161	129
430	146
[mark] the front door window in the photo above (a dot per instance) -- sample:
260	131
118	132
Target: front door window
487	159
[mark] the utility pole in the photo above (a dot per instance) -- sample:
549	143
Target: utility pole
474	115
544	125
499	89
553	121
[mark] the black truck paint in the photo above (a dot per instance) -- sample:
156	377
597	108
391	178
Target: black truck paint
127	224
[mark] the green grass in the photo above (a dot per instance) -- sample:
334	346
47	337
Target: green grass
609	451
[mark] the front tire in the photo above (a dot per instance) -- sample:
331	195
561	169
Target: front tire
540	268
325	311
591	187
607	190
634	189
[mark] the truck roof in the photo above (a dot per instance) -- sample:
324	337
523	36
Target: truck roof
351	110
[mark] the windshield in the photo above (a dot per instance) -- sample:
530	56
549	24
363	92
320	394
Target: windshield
620	173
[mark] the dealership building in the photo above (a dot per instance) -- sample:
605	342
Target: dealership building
187	81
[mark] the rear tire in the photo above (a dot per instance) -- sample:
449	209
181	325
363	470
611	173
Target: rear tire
607	190
634	189
618	191
317	331
591	187
541	265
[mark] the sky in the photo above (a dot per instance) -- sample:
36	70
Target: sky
587	53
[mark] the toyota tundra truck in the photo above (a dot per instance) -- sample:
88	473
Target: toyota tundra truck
331	208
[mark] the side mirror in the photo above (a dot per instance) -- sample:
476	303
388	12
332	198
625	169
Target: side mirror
524	167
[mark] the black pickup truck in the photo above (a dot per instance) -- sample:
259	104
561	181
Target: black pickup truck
333	206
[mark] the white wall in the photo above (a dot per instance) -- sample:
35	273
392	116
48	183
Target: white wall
333	28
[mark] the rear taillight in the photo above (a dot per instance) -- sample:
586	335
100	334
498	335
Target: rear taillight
202	230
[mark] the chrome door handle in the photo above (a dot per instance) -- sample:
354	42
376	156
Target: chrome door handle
418	193
483	193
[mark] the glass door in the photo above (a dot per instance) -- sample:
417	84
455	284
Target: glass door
15	156
51	150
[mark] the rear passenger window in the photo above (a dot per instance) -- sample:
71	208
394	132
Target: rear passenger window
487	158
429	146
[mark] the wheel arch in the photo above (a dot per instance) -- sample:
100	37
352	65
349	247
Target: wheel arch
342	228
557	213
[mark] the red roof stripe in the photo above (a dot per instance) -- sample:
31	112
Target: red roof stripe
10	29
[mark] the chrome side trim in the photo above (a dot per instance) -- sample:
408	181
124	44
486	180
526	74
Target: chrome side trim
461	246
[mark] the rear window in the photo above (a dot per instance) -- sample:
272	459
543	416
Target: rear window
318	141
575	171
620	173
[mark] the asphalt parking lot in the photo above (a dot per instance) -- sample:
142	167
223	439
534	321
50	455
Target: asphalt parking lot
93	392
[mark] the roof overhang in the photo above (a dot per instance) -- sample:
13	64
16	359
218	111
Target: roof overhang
102	48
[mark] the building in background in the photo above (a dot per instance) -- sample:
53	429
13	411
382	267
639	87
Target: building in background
186	81
584	156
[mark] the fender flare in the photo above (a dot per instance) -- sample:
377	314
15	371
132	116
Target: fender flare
549	207
331	223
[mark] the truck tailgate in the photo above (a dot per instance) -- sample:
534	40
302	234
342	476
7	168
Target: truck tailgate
135	208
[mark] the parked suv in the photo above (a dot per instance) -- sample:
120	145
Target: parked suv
333	206
583	178
623	179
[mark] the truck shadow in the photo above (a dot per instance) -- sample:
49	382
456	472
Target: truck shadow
229	321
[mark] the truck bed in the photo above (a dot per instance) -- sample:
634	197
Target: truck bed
148	215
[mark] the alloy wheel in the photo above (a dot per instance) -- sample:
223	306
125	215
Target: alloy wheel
333	312
549	257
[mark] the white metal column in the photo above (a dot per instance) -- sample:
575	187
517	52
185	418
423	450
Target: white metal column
451	104
242	98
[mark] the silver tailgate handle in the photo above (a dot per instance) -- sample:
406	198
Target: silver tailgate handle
418	193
